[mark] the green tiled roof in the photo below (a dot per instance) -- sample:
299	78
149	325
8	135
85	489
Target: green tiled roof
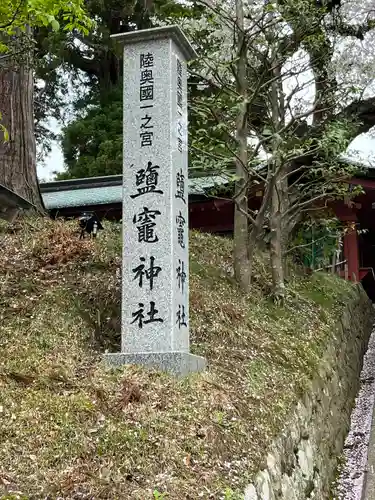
108	190
82	197
63	197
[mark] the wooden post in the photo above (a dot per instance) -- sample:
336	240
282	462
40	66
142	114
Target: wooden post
351	253
333	269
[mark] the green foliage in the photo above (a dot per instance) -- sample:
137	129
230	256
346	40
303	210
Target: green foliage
90	62
212	121
92	144
316	242
4	130
159	496
337	137
19	20
229	494
16	17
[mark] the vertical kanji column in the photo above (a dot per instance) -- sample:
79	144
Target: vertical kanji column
155	293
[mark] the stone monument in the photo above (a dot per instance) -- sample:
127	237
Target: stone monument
155	273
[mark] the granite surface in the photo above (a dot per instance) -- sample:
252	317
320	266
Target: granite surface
177	363
155	273
154	312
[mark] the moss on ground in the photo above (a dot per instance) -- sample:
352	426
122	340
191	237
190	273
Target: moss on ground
71	428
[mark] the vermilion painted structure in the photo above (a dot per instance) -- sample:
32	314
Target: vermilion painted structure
358	216
359	240
104	196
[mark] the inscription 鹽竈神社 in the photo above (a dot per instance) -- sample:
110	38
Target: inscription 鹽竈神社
180	227
180	197
146	180
181	316
181	275
142	272
155	284
139	315
145	224
180	186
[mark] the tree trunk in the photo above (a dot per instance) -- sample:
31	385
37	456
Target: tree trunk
286	229
276	246
280	187
18	154
242	271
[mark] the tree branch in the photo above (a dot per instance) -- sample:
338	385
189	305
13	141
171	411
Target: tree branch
352	30
74	57
363	111
16	12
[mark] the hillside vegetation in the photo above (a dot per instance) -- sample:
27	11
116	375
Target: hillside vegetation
70	428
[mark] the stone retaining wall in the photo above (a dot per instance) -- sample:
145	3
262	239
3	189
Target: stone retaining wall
302	461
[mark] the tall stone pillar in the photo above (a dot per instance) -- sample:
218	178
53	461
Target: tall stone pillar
155	274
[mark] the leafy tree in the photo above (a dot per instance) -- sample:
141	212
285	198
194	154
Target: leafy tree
92	141
248	91
17	22
263	59
85	65
317	242
92	144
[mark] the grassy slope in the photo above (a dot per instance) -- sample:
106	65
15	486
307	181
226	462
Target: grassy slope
70	428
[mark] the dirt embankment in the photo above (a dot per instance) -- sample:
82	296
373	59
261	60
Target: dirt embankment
70	428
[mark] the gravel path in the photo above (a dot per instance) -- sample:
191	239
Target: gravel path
351	481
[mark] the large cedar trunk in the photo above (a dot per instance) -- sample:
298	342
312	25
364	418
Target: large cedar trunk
18	155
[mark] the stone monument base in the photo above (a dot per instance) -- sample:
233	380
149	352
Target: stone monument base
177	363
